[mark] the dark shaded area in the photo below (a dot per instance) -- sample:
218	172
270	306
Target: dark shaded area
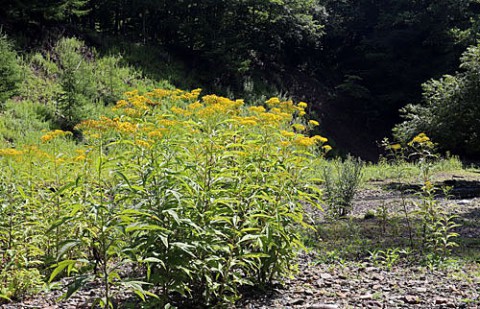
459	189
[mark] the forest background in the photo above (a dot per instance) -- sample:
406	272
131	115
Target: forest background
366	66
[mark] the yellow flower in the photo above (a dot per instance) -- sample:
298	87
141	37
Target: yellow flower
192	95
428	186
132	112
302	105
121	103
420	138
287	106
326	148
395	147
156	134
270	118
256	109
313	123
246	121
131	93
167	122
320	139
304	141
143	144
10	152
180	111
287	133
299	127
273	101
195	105
126	127
79	158
54	134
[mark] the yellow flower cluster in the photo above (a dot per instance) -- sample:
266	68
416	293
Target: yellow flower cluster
395	147
193	116
272	102
421	139
135	106
257	109
271	119
219	105
298	127
309	141
180	111
105	123
313	123
192	95
246	121
10	152
81	155
143	143
428	185
287	134
54	134
194	106
156	134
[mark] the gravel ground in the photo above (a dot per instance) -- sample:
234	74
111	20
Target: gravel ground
362	285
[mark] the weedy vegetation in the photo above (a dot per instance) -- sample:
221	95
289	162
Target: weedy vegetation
184	198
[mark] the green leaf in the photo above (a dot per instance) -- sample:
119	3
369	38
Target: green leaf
77	284
60	266
69	244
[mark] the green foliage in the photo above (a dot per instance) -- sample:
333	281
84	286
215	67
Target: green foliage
387	258
10	70
341	183
66	84
450	110
30	10
16	284
437	227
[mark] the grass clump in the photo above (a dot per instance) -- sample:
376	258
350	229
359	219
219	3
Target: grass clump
341	183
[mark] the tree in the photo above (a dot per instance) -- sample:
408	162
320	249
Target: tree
10	70
450	111
378	53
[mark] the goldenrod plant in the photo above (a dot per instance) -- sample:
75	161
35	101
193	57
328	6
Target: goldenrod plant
203	193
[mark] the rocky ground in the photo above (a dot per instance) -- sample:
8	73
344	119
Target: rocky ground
363	285
356	283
